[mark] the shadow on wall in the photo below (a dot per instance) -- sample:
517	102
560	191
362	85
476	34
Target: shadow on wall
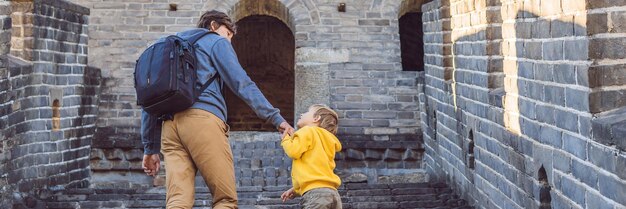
537	74
529	86
540	77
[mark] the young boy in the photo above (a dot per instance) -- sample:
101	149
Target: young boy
313	149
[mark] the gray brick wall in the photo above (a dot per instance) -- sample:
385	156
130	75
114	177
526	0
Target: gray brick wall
522	85
432	80
5	103
52	66
260	162
606	74
350	61
363	82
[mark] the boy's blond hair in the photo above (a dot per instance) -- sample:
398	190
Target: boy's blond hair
328	118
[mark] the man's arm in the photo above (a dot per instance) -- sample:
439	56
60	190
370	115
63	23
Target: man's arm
235	77
150	133
151	140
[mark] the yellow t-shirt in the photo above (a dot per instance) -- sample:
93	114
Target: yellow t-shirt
312	150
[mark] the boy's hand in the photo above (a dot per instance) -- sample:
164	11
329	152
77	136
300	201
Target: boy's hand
285	134
285	128
287	195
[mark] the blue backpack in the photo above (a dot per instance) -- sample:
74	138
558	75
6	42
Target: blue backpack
165	76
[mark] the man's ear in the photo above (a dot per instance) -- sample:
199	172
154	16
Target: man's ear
212	26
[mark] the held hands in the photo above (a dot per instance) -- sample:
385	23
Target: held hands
151	164
287	195
285	128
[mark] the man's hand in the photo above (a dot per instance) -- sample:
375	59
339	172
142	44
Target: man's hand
285	128
151	164
287	195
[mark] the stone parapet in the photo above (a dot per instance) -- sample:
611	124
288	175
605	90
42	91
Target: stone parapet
531	110
49	100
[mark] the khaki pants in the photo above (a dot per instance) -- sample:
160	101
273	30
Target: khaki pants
197	140
321	198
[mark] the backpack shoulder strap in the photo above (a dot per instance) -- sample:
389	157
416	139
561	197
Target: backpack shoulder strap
193	41
206	85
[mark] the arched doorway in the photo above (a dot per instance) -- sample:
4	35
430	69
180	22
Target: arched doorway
411	41
265	47
411	35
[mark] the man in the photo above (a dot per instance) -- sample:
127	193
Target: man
196	139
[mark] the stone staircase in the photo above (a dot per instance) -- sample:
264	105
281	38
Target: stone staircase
374	175
354	195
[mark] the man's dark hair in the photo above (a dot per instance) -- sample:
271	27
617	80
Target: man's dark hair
218	19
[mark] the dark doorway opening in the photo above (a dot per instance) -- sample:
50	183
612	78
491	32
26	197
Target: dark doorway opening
265	47
470	151
412	41
56	115
545	197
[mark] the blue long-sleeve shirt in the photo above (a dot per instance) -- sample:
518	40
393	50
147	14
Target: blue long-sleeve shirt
215	54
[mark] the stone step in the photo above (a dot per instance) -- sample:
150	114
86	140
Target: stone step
354	195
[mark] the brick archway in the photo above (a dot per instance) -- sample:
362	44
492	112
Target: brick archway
272	8
265	47
411	34
311	64
409	6
291	12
